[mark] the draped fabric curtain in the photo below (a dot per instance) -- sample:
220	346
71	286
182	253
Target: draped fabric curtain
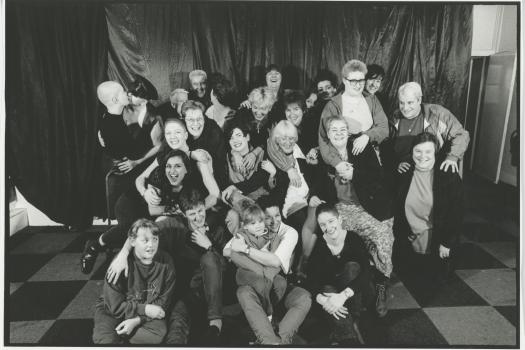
56	55
58	52
428	43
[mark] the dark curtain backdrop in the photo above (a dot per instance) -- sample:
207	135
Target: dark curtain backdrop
56	55
428	43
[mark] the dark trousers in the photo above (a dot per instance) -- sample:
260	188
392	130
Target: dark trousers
129	207
357	278
151	332
205	290
297	302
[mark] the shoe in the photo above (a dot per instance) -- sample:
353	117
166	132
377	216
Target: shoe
347	343
211	336
381	307
89	256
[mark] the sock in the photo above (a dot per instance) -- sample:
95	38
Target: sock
217	323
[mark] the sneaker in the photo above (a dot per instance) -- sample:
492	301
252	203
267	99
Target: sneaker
381	307
89	256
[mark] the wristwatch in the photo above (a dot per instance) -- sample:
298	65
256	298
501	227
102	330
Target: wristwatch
247	251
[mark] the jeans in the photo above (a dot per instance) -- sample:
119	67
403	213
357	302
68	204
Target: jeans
297	302
151	332
206	284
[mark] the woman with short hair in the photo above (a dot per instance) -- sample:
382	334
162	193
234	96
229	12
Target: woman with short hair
223	99
429	212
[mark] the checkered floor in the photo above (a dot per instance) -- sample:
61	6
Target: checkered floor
51	302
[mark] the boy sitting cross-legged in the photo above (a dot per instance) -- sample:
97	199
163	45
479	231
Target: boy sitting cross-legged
134	307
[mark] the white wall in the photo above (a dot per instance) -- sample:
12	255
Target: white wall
494	29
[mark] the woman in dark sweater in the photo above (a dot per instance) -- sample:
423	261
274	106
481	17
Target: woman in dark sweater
429	211
339	275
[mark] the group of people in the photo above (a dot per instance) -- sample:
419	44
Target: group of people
309	201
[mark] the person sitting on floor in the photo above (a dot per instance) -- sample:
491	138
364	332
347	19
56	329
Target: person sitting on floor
429	213
263	249
196	248
134	308
339	276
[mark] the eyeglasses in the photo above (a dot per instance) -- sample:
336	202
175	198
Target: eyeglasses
355	82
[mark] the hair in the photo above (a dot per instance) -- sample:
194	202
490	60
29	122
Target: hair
271	67
144	224
192	105
269	201
374	71
262	95
190	198
236	123
107	90
224	91
353	66
143	88
283	128
326	208
410	86
196	73
426	137
332	119
251	212
295	96
323	75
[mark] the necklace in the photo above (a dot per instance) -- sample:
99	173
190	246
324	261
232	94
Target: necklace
412	125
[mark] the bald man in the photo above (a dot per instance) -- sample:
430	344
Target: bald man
414	117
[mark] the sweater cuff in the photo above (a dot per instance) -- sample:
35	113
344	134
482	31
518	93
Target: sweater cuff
141	309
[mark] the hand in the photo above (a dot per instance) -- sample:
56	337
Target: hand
249	161
360	144
335	301
295	178
238	244
341	312
154	311
315	202
127	165
127	326
403	167
210	201
246	104
227	193
101	140
444	252
345	170
119	264
268	167
200	155
151	196
236	162
449	163
311	157
199	238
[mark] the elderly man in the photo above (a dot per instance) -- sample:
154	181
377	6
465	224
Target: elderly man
199	87
172	108
414	117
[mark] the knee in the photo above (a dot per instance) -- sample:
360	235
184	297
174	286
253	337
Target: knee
304	300
244	294
209	260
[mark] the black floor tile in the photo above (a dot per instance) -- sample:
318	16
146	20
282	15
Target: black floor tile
77	246
471	256
510	313
429	293
20	267
409	327
101	272
21	236
41	300
69	333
